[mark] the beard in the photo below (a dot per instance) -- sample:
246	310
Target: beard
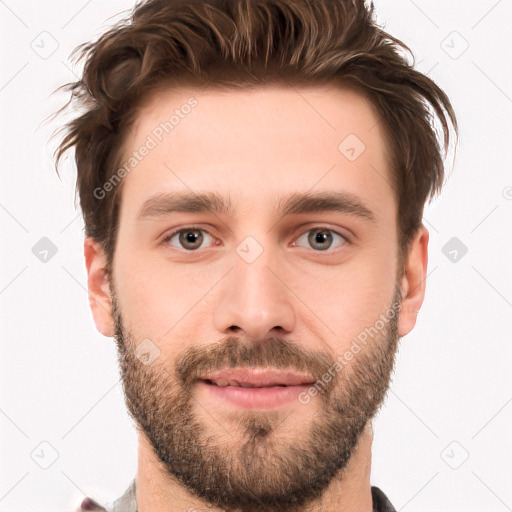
259	467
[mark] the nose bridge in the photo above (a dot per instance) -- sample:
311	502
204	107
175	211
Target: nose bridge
254	297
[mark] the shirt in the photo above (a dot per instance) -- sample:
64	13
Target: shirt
128	503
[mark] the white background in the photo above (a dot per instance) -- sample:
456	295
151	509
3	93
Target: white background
451	396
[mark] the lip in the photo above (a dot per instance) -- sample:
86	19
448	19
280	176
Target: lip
258	378
271	388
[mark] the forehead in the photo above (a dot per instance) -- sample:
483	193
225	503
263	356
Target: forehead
256	144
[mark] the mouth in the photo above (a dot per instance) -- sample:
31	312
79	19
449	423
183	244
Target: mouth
223	383
257	378
250	388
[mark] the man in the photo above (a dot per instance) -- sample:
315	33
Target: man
252	175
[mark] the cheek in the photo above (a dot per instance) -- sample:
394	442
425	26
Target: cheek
354	297
348	313
156	295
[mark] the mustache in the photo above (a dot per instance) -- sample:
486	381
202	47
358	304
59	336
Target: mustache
271	353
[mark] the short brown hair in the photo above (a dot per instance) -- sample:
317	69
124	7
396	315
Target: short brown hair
237	43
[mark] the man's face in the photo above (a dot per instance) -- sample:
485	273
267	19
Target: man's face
249	287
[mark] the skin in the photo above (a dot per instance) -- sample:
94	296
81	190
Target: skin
256	146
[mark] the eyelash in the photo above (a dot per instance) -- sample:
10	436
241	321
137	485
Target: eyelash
346	241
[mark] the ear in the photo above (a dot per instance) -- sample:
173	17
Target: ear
414	281
98	286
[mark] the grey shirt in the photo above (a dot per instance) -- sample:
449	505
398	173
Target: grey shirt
128	503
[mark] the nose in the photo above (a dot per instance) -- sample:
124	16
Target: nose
254	300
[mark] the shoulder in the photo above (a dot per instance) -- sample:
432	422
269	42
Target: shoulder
381	502
90	505
126	503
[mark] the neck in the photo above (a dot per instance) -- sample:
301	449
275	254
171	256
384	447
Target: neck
157	491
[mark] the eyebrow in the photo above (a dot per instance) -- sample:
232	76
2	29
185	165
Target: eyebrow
164	204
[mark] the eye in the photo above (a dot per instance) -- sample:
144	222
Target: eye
321	238
189	238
